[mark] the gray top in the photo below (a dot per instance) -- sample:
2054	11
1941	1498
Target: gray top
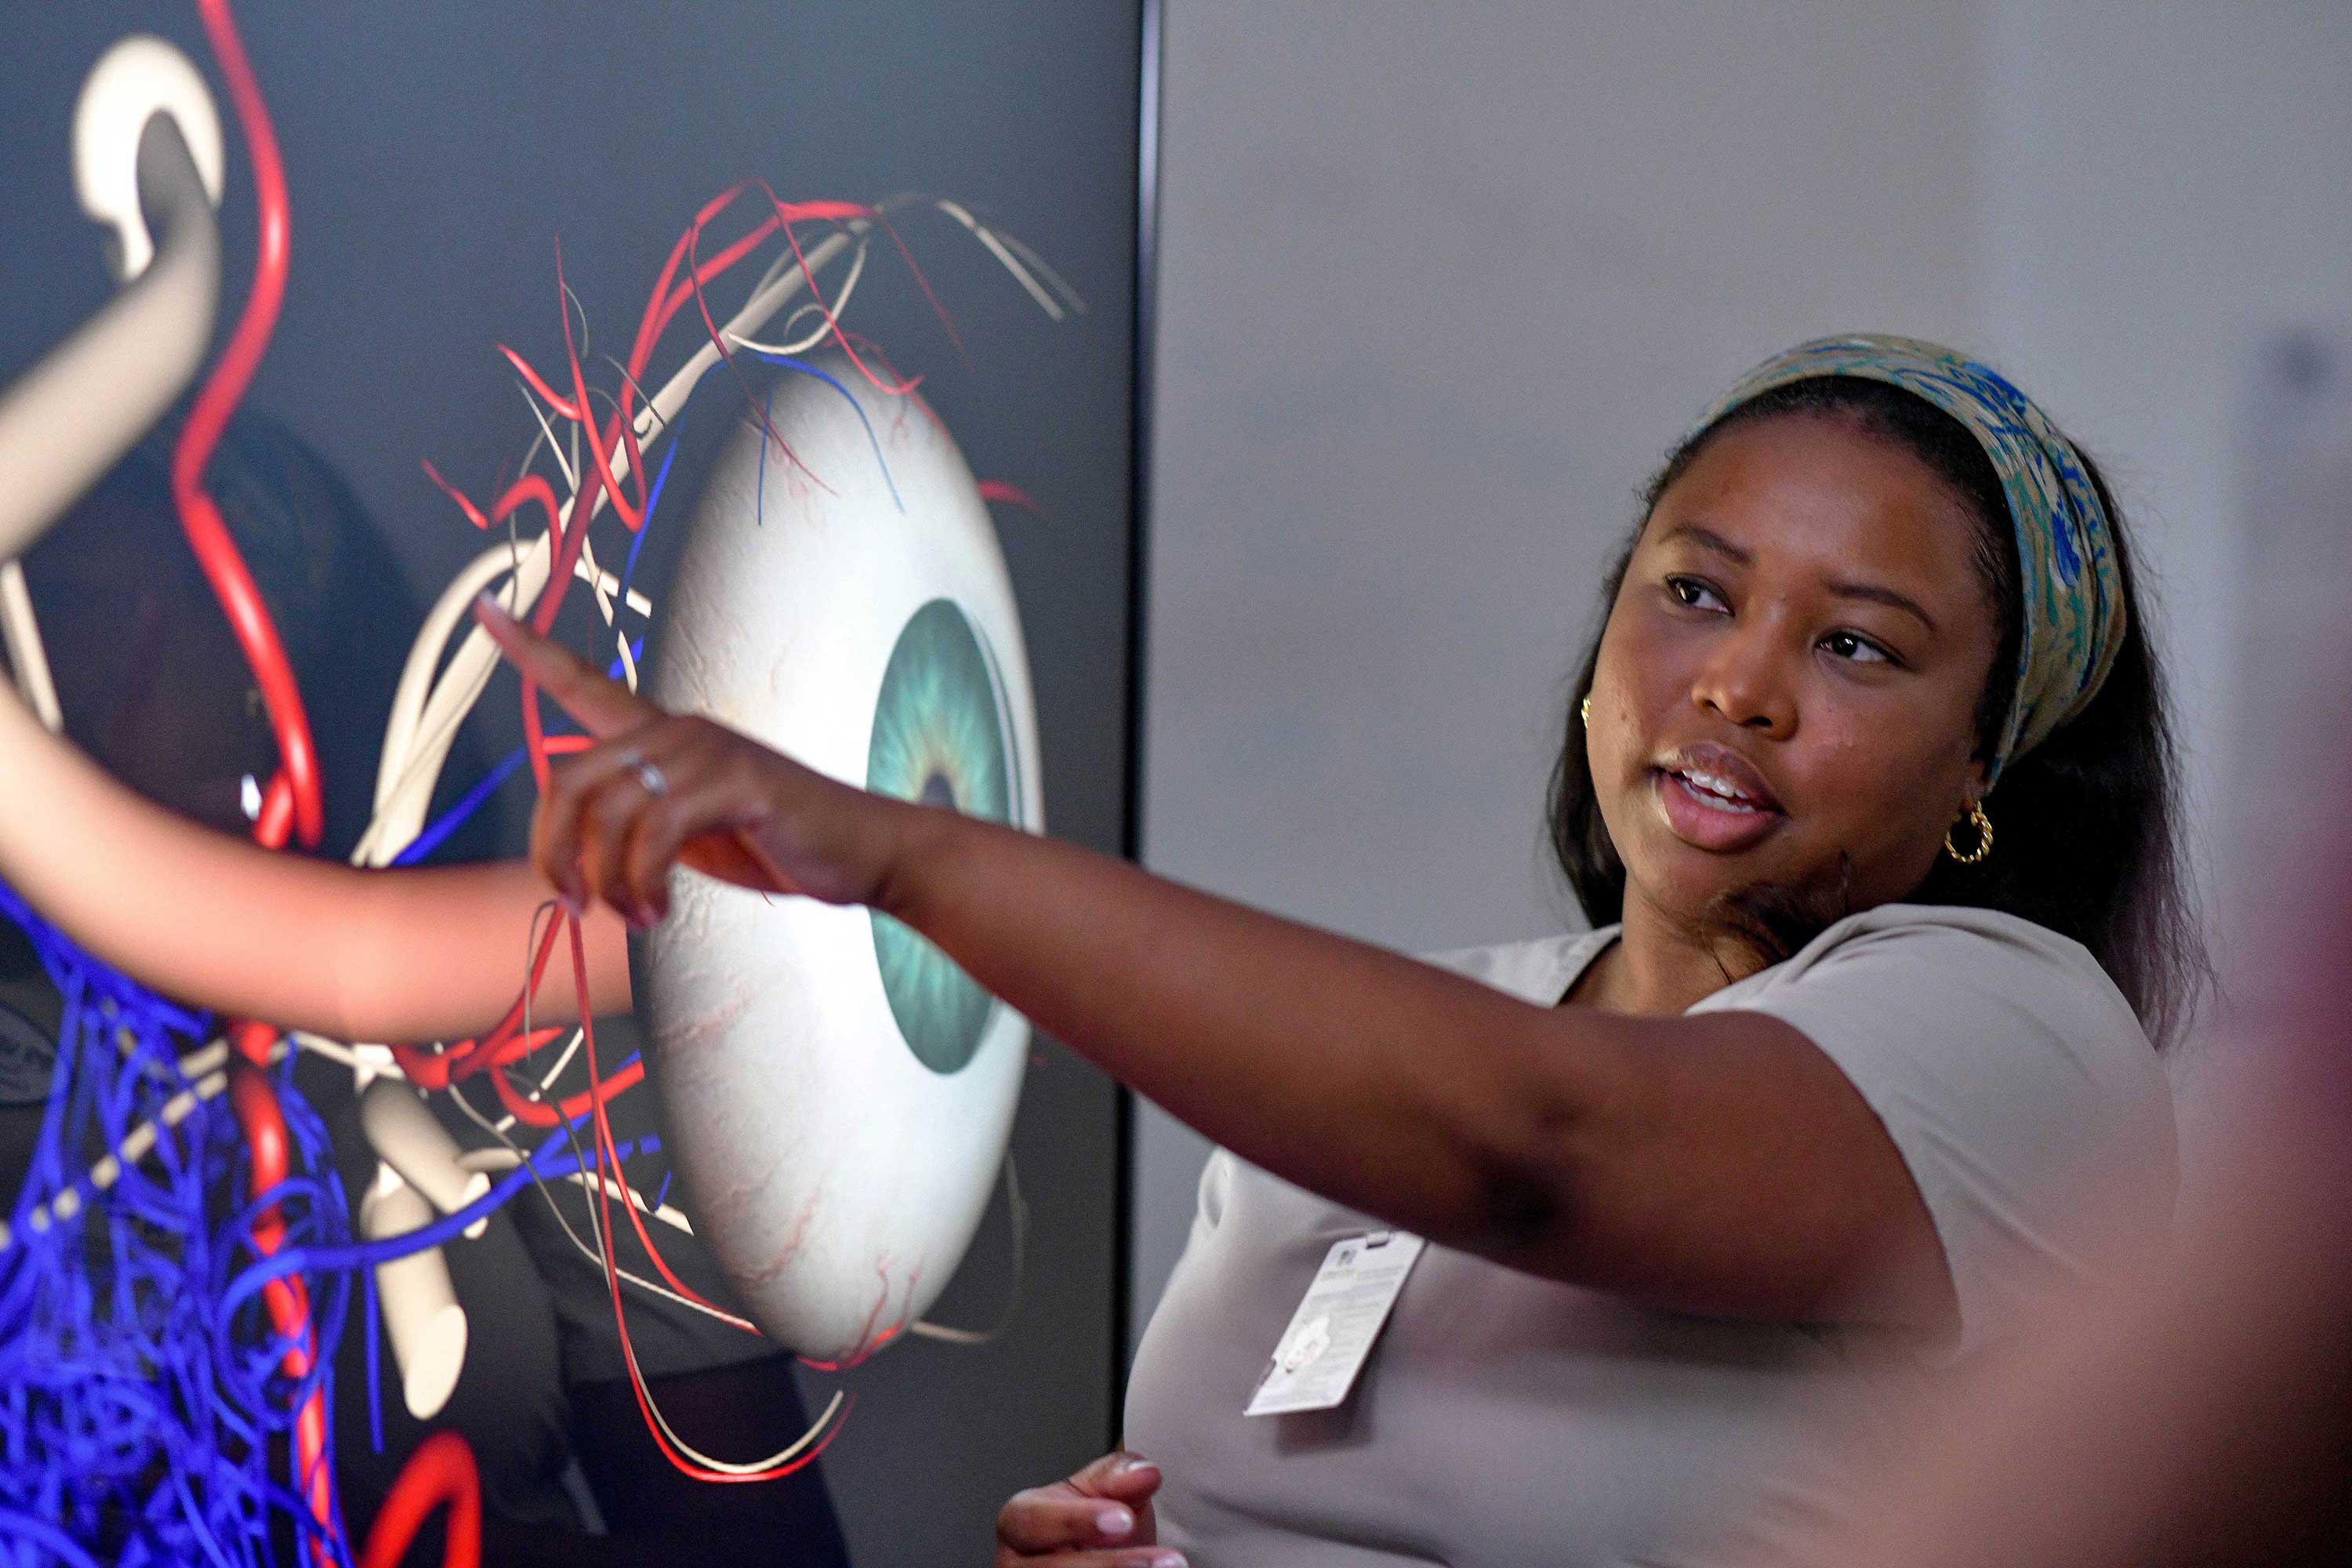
1506	1420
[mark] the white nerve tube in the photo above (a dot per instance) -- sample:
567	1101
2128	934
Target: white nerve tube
405	1135
421	1315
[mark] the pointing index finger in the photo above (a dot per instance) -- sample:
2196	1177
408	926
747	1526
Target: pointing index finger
601	707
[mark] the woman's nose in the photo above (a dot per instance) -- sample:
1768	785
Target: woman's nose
1744	682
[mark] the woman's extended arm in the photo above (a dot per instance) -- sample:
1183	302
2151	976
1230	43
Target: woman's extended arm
1717	1162
419	954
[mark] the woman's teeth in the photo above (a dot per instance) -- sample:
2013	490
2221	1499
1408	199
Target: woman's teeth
1717	793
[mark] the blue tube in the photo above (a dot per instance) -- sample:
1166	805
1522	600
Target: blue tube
437	833
788	363
299	1260
375	1370
653	499
123	1419
44	1534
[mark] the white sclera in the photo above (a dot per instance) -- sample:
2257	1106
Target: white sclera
838	1179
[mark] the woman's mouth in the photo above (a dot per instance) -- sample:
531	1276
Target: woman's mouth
1717	805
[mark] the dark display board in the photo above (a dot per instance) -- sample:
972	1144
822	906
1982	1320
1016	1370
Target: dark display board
434	154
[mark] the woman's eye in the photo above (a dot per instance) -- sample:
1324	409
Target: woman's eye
1697	595
1860	649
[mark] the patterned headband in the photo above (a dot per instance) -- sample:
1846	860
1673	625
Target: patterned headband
2072	582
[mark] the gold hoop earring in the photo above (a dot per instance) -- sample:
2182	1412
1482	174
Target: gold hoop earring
1983	825
1584	711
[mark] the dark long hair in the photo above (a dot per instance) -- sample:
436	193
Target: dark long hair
2090	837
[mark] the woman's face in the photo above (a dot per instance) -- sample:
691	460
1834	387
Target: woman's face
1792	670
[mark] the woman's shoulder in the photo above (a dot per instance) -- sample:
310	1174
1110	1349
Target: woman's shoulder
1994	923
2013	1078
1967	1026
1534	969
1950	921
1962	968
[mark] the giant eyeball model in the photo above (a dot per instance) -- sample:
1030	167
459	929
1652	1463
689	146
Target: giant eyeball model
835	1092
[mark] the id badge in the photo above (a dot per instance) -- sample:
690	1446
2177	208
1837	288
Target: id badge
1316	1362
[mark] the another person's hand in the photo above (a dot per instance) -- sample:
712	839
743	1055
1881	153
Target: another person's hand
1100	1518
659	789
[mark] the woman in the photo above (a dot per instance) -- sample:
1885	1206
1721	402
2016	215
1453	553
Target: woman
1806	1110
1809	1105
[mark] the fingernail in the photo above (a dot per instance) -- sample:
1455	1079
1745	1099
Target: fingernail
1114	1521
488	601
1132	1466
1168	1560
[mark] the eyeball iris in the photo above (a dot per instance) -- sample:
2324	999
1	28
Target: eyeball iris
940	737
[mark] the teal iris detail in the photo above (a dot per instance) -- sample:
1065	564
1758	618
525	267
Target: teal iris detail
940	737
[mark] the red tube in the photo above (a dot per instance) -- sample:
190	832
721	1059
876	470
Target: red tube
548	394
208	536
613	1285
430	1072
785	216
608	1153
530	488
293	799
996	492
545	1113
946	322
441	1471
288	1304
597	450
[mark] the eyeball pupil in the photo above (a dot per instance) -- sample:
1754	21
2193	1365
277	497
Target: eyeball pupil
940	737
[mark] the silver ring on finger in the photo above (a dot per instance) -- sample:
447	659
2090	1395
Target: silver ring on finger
649	776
